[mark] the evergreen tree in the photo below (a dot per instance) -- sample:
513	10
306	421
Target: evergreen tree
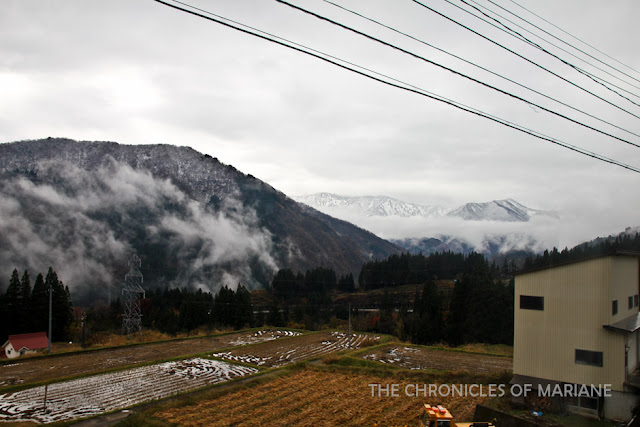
4	320
13	298
13	293
285	284
244	311
429	312
224	307
40	305
62	309
458	311
274	318
25	306
25	287
191	315
346	283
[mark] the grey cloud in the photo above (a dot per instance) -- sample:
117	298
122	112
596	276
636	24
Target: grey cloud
69	225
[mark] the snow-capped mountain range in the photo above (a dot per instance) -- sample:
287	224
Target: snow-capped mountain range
369	205
507	210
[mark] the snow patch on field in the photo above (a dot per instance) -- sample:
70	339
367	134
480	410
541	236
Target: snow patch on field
264	335
109	392
291	352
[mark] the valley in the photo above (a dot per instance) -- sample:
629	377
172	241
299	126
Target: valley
327	391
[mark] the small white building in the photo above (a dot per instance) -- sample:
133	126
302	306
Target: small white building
19	345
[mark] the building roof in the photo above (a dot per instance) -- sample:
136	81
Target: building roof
626	325
614	252
33	341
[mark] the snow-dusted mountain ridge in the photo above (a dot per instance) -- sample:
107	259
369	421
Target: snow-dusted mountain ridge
507	210
370	205
84	207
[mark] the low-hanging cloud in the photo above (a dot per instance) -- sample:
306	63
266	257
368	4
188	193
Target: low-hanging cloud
204	239
85	225
537	234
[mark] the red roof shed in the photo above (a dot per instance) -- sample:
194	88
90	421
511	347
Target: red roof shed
26	342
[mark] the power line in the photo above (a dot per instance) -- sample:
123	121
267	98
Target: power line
537	46
409	89
517	35
480	67
523	57
331	21
559	39
581	41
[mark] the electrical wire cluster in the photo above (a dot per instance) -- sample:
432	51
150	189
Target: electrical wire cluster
607	84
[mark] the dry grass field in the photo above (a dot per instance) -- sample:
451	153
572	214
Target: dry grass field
313	397
332	391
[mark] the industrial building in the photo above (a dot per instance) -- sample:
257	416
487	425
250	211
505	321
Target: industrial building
577	324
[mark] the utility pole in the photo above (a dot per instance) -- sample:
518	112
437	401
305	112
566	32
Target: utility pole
349	325
82	338
50	313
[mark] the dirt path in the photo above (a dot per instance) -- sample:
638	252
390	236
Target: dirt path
26	371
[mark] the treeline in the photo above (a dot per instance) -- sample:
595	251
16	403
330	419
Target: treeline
406	269
180	310
457	299
292	286
600	246
478	308
305	299
26	310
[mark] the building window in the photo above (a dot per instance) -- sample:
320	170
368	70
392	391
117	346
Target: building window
529	302
630	303
591	358
584	402
588	403
614	307
635	300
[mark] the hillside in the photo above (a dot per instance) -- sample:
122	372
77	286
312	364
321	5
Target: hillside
84	207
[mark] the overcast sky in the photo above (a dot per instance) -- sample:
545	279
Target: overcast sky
138	72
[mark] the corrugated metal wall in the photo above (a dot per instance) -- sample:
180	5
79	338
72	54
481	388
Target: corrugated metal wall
577	303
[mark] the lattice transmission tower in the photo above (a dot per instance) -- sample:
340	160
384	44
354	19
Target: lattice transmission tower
131	295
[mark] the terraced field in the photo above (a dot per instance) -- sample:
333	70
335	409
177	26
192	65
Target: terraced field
25	371
118	390
109	392
283	352
314	398
429	358
309	396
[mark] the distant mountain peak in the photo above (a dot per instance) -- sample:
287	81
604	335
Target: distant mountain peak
507	210
497	210
368	205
